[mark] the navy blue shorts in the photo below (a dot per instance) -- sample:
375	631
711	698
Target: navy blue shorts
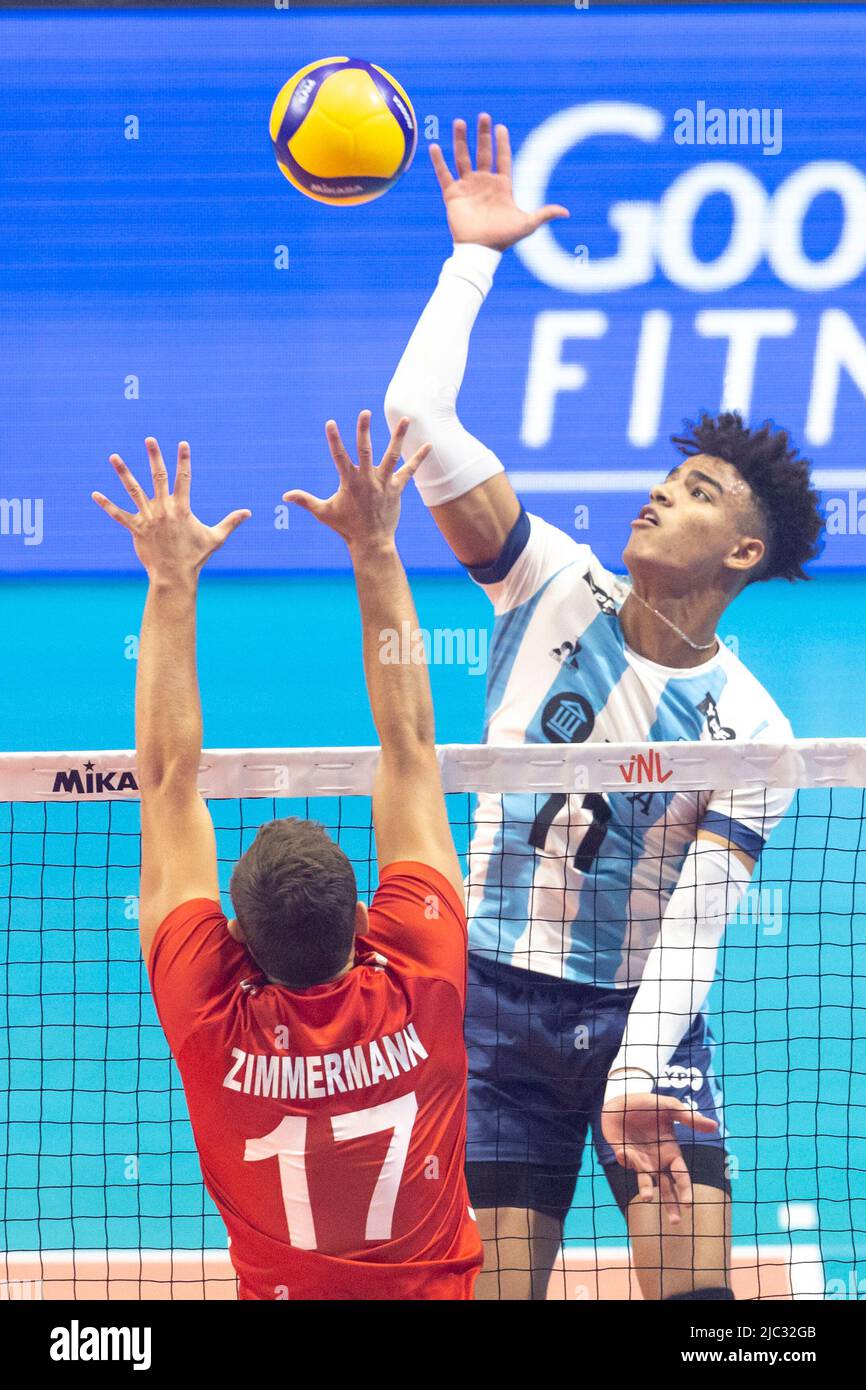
539	1051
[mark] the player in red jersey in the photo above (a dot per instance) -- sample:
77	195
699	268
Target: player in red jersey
320	1044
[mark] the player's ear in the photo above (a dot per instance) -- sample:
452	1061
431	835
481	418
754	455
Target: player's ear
747	555
362	917
235	930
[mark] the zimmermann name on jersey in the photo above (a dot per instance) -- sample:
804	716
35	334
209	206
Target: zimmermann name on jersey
282	1076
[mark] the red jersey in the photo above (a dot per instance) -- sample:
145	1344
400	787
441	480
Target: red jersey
331	1122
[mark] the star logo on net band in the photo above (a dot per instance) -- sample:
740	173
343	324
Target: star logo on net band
88	782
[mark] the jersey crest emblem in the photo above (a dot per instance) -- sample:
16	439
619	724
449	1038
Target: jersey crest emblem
567	718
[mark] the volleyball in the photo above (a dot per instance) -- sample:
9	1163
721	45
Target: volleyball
343	131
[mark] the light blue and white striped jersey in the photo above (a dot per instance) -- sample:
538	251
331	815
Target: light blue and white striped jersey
575	885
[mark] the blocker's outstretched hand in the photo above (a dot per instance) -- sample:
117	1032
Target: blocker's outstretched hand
365	508
169	540
479	202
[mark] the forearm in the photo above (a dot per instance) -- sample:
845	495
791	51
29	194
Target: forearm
398	684
681	966
168	723
429	375
674	987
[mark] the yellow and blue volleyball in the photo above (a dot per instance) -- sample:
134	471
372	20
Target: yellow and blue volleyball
343	131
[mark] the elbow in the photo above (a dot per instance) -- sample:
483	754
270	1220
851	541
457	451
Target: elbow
395	400
410	748
403	398
409	729
161	776
423	732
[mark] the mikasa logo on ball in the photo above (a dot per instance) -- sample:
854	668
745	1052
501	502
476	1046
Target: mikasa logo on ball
302	95
402	109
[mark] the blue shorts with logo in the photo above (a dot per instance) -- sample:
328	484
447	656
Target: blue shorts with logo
539	1052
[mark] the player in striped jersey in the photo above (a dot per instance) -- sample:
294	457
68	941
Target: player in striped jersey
595	920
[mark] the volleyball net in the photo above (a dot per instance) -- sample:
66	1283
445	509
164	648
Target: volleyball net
100	1189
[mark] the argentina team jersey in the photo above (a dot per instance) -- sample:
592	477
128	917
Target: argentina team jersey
575	885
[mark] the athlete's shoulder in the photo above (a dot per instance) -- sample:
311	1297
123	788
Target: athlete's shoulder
196	969
535	554
417	923
757	713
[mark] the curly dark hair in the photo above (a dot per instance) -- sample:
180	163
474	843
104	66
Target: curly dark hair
779	480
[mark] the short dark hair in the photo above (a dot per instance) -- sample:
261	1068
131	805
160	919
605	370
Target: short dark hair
294	895
779	480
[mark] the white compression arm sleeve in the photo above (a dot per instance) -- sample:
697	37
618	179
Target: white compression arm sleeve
429	374
681	965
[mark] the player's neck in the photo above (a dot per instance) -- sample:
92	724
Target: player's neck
642	620
299	989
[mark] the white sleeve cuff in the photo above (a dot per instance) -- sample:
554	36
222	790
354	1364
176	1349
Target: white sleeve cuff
475	263
635	1084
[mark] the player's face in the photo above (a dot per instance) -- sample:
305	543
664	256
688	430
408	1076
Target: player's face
695	523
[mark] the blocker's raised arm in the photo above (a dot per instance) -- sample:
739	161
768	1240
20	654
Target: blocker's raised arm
178	849
409	814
